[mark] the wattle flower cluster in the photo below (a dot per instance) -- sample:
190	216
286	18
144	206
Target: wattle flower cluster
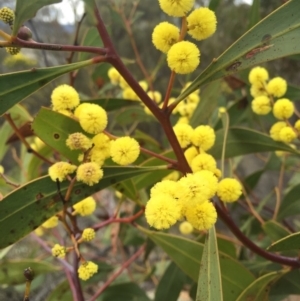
183	56
265	92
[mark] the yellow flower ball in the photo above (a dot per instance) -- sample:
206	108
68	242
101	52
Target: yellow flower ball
191	153
114	76
287	134
64	97
155	96
258	76
123	83
164	36
204	137
212	180
162	211
229	190
167	187
258	89
178	8
129	94
173	176
124	150
80	108
89	173
78	141
97	156
92	118
88	234
85	207
58	251
275	130
193	98
144	85
261	105
202	23
277	86
203	162
186	228
183	134
87	270
102	143
60	170
202	216
7	15
51	222
12	50
183	57
186	109
297	125
283	108
1	169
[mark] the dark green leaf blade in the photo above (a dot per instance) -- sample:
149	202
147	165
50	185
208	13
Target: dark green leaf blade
254	13
26	10
290	203
27	207
290	242
61	292
27	82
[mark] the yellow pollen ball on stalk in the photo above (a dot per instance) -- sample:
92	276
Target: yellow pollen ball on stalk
85	207
12	50
183	133
204	137
258	89
202	23
60	170
51	222
88	234
203	162
89	173
129	94
277	86
87	270
64	97
229	190
186	228
283	108
183	57
258	75
92	118
162	211
164	36
101	143
176	8
261	105
7	15
155	96
287	134
144	85
58	251
78	141
114	76
212	180
190	153
1	169
275	130
124	150
201	216
297	125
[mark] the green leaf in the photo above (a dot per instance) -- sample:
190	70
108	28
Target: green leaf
11	271
187	253
170	285
27	82
209	282
242	141
27	207
260	288
275	230
207	104
290	242
254	13
62	292
213	4
91	38
123	292
268	40
26	10
290	203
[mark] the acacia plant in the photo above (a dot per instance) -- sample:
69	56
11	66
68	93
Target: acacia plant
91	182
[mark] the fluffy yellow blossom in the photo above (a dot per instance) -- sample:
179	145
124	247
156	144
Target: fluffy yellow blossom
129	94
277	86
51	222
102	143
283	108
287	134
177	8
87	270
193	98
164	36
201	216
7	15
12	50
85	207
203	162
60	170
88	234
229	190
114	76
39	231
258	89
275	130
167	187
183	133
89	173
204	137
202	23
190	154
261	105
173	176
183	119
78	141
258	75
144	85
1	169
155	96
64	97
124	150
212	180
297	125
80	108
58	251
186	228
97	156
186	109
162	211
92	118
183	57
